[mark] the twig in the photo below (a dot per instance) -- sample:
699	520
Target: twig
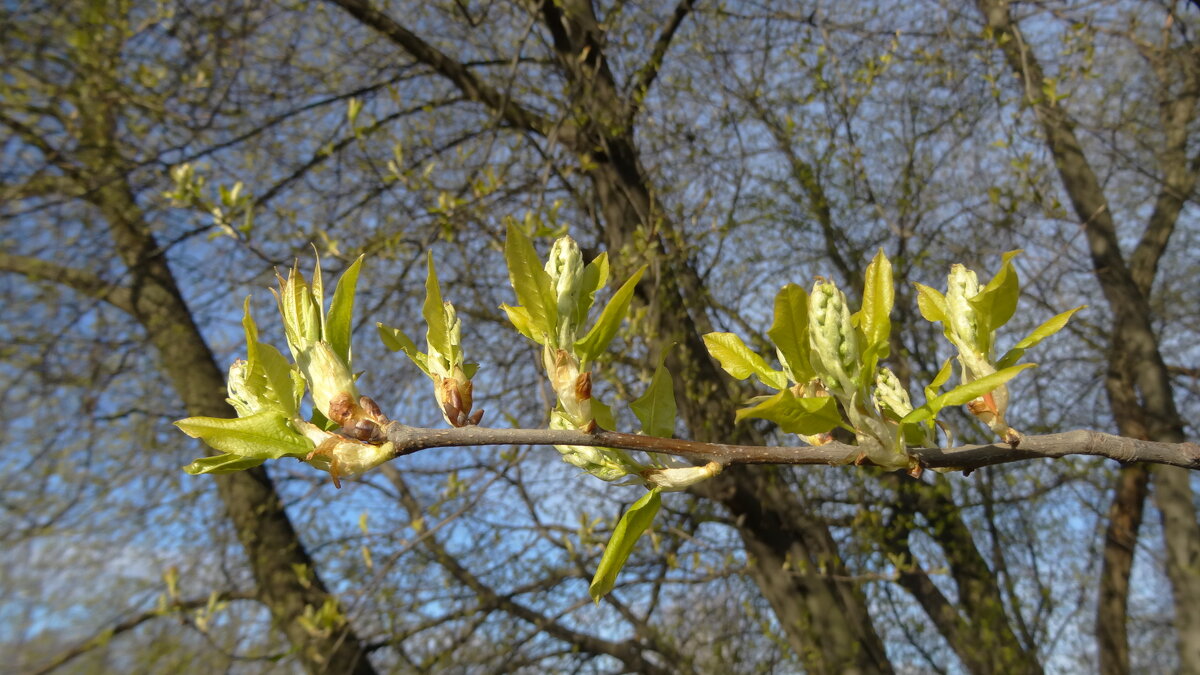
408	440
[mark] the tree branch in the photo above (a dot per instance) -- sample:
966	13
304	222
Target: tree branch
408	440
466	81
103	637
649	71
82	281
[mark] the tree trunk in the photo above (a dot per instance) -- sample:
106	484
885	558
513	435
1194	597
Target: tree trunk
286	577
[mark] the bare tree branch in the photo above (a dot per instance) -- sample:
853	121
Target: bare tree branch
470	85
649	71
408	440
82	281
628	653
103	637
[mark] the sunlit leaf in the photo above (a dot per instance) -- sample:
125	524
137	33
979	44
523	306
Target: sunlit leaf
879	294
789	332
530	281
633	523
964	393
265	435
656	409
942	377
395	340
1050	327
341	311
595	277
931	303
740	361
996	302
225	463
434	311
520	319
806	416
592	345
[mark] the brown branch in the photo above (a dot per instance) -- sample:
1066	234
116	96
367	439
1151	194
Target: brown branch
649	71
466	81
627	652
103	637
408	440
82	281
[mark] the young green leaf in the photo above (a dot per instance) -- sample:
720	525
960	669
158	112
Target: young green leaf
592	345
633	523
285	384
595	277
656	409
879	294
740	361
434	311
789	332
996	302
1050	327
530	281
224	463
805	416
318	291
395	340
964	393
603	414
942	377
520	319
265	435
281	384
931	303
341	311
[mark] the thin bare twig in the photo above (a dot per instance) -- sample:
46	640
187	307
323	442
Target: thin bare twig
408	440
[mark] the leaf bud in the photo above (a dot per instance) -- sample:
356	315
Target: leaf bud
680	478
454	396
242	396
342	457
330	380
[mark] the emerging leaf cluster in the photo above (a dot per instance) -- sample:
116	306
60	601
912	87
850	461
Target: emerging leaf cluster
831	376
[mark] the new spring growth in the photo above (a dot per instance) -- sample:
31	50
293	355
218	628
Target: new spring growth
328	373
832	336
366	448
345	436
443	360
564	278
973	342
565	268
451	385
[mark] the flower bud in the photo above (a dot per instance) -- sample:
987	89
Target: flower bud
832	336
889	395
961	286
301	311
565	267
